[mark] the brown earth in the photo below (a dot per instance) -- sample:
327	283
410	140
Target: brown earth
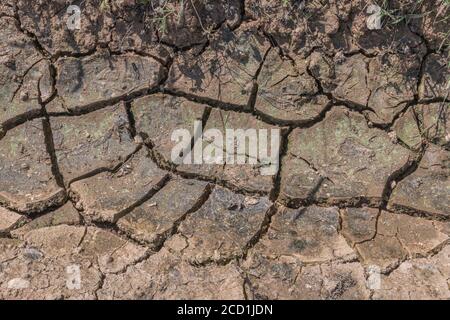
87	183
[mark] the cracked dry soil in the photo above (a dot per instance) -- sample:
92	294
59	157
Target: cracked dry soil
86	181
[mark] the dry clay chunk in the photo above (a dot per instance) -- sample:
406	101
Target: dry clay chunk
196	18
384	83
298	27
109	251
308	234
117	26
166	276
128	35
109	195
340	159
432	22
159	116
8	220
234	133
359	224
223	227
436	77
82	82
10	248
49	21
88	143
345	79
285	279
157	218
428	121
435	120
427	189
286	92
407	129
33	276
64	215
64	262
383	239
418	279
392	79
7	7
23	74
27	184
226	70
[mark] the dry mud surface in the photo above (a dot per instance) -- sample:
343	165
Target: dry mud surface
91	206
